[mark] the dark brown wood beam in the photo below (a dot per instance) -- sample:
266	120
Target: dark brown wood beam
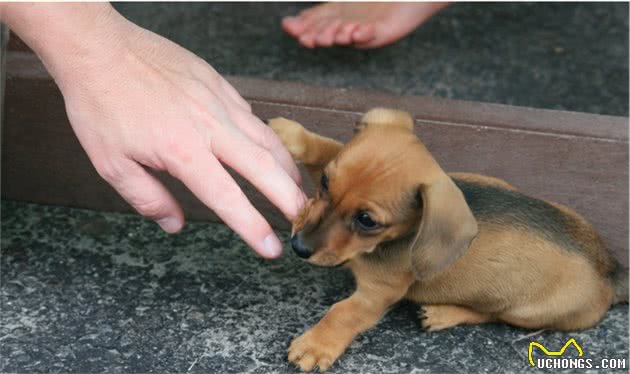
577	159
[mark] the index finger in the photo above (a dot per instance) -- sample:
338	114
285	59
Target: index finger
261	134
210	182
259	167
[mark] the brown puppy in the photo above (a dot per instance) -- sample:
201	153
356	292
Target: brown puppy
469	248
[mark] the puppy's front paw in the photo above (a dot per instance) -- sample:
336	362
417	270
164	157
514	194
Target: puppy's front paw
310	351
292	134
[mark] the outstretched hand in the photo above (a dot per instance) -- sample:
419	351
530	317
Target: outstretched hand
136	101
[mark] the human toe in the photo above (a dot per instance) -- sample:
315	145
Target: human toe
363	33
326	34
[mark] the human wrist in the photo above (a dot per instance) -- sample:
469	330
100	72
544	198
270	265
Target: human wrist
68	38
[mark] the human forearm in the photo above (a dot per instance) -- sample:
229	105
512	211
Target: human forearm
66	36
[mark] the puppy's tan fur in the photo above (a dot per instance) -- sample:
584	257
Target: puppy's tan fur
497	264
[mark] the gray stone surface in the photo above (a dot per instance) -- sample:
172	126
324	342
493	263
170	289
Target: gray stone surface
85	291
544	55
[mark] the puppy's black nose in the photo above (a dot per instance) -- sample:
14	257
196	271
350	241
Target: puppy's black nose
299	247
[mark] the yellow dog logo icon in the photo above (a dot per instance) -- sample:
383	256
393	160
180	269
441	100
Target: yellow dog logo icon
552	353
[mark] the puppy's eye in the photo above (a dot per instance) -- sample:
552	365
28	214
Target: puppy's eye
324	183
364	221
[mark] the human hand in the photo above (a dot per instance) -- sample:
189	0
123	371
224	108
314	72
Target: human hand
136	100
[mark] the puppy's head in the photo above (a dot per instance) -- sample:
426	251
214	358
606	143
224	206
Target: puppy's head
383	186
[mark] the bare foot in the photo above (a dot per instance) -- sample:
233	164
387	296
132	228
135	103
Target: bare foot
362	25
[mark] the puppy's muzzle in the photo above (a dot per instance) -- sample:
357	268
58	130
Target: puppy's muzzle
299	247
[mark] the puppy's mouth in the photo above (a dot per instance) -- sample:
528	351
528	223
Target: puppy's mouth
327	262
331	261
334	266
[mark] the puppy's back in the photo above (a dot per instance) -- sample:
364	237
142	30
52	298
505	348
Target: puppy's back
494	204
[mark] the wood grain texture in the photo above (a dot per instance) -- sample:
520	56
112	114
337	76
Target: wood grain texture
578	159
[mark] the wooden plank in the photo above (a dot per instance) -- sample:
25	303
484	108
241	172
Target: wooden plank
577	159
4	39
444	111
16	44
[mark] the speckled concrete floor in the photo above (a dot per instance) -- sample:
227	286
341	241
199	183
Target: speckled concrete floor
544	55
85	291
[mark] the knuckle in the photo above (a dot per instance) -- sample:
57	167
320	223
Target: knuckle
210	116
269	139
150	208
110	170
177	152
264	161
229	198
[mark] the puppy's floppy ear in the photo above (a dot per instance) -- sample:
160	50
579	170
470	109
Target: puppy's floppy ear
447	227
384	117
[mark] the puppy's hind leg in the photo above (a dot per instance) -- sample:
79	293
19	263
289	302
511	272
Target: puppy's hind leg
442	316
313	150
573	310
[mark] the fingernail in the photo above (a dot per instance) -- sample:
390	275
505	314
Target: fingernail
169	224
272	246
301	201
